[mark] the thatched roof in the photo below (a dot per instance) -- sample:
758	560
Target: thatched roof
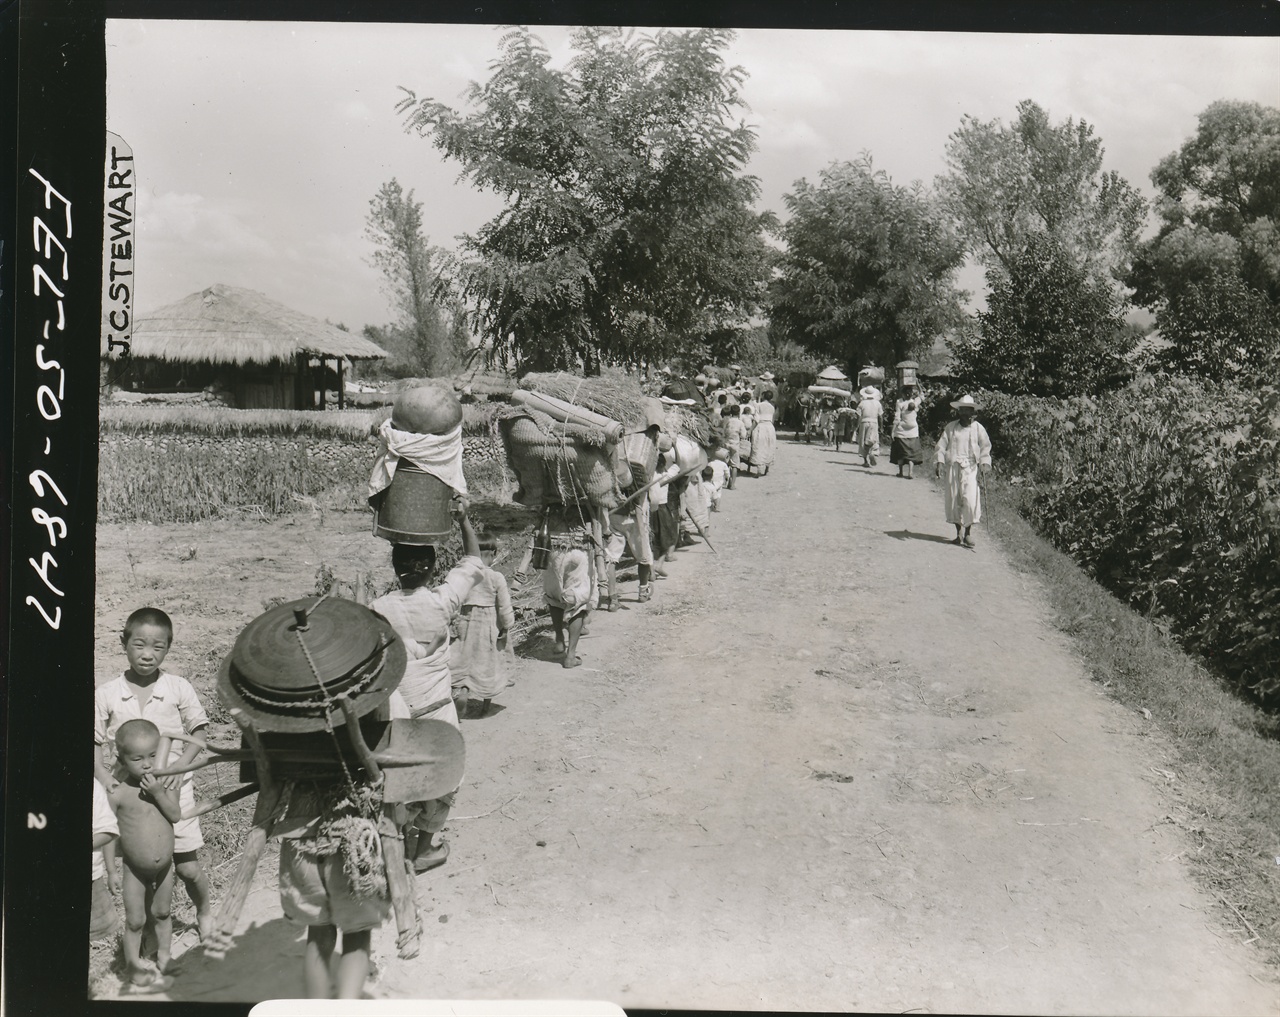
231	325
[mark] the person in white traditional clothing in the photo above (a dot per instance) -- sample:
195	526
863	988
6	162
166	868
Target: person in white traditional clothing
478	659
869	409
764	441
719	467
965	450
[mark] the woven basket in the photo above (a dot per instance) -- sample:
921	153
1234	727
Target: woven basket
641	453
558	469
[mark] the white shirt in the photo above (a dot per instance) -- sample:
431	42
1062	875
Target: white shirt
964	445
421	617
719	474
173	707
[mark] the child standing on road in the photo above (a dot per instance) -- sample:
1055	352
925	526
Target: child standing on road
479	665
146	692
146	812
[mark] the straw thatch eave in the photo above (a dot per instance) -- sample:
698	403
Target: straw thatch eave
232	325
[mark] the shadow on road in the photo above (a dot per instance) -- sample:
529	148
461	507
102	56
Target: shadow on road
538	644
241	976
909	535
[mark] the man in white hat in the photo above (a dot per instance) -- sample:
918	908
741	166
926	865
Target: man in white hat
964	449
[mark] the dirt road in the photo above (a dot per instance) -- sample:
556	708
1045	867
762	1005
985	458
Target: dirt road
839	765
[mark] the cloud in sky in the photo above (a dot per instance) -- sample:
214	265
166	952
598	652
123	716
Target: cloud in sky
259	144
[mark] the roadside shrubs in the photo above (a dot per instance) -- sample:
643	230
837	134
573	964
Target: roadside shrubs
1168	493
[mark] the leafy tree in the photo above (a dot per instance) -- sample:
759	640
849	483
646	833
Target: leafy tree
628	231
1050	328
430	328
1212	271
1055	234
868	273
1009	185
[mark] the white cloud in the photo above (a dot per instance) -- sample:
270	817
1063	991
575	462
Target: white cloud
795	134
353	109
172	217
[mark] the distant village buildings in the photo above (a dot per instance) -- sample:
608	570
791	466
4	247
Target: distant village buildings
256	351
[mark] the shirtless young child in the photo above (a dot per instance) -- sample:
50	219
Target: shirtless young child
145	811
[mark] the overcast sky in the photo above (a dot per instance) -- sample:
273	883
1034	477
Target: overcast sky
258	145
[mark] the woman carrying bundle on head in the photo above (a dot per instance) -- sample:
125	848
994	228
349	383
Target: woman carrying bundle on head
905	452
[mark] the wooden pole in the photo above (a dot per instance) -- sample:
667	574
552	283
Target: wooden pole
264	814
211	804
402	899
342	385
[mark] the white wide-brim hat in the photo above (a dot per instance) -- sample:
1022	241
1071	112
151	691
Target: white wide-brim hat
767	376
965	402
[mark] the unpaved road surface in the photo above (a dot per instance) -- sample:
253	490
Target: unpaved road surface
839	765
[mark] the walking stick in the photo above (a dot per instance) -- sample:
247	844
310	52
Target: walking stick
701	532
660	479
986	519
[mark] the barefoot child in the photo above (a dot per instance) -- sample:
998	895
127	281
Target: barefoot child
478	665
146	692
421	613
146	812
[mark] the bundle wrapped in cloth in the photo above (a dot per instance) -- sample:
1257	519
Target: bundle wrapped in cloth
420	468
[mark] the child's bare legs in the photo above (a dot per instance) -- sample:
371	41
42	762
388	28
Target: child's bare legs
353	966
574	626
557	621
158	907
140	902
321	940
134	892
191	872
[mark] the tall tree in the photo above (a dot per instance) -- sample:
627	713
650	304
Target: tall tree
868	273
413	274
628	230
1038	211
1212	271
1050	328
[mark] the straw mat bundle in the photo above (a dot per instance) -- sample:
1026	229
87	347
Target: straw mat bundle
556	462
613	394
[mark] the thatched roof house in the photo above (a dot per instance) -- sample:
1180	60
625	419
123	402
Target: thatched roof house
268	354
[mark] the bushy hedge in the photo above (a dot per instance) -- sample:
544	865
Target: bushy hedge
1168	492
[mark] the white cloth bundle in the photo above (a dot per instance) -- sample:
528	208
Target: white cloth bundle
437	454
